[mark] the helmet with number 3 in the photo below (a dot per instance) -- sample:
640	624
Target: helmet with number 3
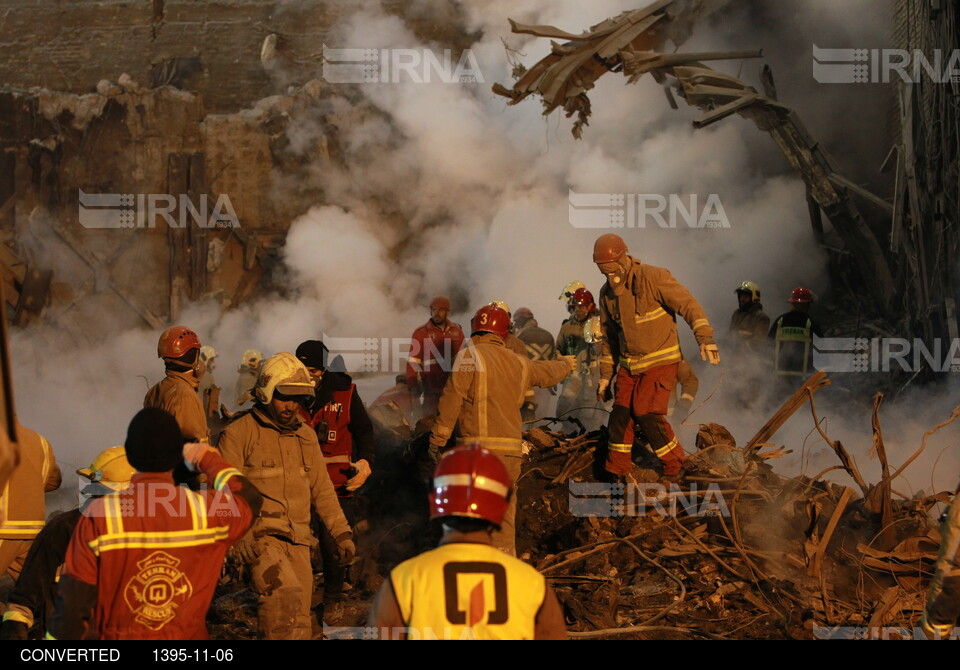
491	319
471	482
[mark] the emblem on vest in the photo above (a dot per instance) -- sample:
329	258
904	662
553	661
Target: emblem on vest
155	593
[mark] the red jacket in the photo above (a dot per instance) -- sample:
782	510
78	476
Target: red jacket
343	427
152	556
432	351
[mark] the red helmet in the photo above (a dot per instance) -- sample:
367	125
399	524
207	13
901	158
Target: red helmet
609	248
472	482
523	314
177	341
801	294
491	319
440	302
584	297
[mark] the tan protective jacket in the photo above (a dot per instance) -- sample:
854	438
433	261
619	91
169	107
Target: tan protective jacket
485	392
286	466
640	326
177	394
22	505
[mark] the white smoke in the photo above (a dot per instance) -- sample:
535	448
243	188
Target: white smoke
443	188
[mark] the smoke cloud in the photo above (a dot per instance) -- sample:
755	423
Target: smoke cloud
443	188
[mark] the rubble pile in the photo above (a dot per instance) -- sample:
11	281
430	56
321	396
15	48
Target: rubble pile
731	551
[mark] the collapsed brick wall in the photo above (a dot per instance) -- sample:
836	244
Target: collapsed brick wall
210	48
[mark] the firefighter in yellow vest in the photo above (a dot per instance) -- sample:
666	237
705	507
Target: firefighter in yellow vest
466	589
22	505
792	334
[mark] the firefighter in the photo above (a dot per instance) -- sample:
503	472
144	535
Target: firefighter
539	346
511	341
465	589
248	372
281	455
638	308
578	399
485	392
208	389
345	434
792	334
749	323
32	598
943	599
137	569
179	347
22	505
568	292
433	347
570	338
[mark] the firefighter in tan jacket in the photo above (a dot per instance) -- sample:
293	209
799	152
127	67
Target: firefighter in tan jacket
22	505
179	347
638	308
485	392
281	456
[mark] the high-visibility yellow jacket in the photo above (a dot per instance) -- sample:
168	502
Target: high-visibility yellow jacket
485	391
22	507
466	591
640	326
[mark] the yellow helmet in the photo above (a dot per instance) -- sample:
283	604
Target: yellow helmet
502	305
751	288
284	373
109	469
570	289
592	332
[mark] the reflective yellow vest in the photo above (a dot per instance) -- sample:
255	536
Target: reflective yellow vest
798	338
466	591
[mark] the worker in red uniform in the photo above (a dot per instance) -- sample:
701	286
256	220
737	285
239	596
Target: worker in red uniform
433	346
345	433
638	308
143	563
465	589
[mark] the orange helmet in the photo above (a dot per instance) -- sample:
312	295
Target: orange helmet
585	298
177	341
609	248
801	294
471	482
440	302
491	319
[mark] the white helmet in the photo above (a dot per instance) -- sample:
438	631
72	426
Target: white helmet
207	353
251	358
285	374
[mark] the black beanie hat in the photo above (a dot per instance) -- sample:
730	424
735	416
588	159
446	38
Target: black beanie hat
313	354
154	442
